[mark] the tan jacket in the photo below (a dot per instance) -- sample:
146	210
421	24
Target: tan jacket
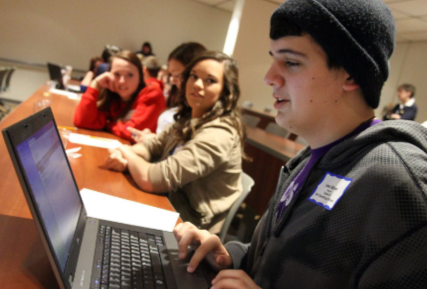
203	175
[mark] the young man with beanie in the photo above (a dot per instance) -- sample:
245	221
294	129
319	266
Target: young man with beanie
350	210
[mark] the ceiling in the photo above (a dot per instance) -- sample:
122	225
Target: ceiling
410	16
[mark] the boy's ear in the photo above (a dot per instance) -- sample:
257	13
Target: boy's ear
350	84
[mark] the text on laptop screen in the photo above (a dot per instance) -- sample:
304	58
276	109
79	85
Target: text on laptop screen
55	192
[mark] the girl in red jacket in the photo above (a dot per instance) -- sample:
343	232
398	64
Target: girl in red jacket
118	99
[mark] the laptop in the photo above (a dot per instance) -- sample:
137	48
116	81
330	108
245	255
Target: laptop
55	73
85	252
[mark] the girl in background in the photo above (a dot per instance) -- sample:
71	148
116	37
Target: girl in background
118	99
177	60
90	74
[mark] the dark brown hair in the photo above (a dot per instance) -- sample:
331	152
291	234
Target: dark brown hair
107	97
93	63
184	53
226	107
147	44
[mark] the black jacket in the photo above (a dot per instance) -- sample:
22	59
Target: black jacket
408	112
374	237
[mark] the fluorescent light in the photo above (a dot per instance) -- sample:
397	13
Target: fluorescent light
233	28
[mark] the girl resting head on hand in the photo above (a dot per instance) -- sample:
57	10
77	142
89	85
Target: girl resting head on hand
119	98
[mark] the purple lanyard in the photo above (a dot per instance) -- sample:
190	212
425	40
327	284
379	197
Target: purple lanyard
316	154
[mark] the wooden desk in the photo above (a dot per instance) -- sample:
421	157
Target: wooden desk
266	117
269	153
23	262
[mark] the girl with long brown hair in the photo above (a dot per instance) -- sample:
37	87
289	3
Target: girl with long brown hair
118	99
198	158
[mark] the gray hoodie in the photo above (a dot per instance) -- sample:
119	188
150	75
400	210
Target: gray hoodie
375	236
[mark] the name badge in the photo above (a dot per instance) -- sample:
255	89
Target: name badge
330	190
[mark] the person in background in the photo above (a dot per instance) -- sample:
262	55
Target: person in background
198	158
407	109
119	98
163	76
150	69
177	60
108	51
90	74
350	210
145	50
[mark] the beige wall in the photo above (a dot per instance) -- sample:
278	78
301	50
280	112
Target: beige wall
408	63
72	32
68	32
251	52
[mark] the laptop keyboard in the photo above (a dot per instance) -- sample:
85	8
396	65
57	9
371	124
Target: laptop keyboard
126	259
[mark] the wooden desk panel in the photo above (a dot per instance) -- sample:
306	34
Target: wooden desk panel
277	146
269	153
266	117
23	262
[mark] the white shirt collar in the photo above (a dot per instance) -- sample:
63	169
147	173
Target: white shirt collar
408	103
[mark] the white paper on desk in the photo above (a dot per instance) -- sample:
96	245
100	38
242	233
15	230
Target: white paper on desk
110	208
73	87
94	141
69	94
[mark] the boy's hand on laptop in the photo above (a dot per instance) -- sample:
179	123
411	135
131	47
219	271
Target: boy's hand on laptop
209	247
115	161
233	279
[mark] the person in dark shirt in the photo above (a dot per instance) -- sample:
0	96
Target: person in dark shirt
107	53
350	210
407	109
146	50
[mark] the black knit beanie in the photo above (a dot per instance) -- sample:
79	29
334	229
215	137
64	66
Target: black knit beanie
357	34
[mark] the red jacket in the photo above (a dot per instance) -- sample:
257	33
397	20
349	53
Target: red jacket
144	112
152	81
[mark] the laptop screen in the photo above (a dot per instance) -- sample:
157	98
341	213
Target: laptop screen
50	178
55	73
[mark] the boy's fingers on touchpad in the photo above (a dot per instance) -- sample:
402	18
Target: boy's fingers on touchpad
184	243
201	253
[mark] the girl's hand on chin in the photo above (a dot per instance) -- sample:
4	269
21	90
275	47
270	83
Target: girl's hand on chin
106	80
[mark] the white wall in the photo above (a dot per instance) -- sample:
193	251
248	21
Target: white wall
408	63
72	32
